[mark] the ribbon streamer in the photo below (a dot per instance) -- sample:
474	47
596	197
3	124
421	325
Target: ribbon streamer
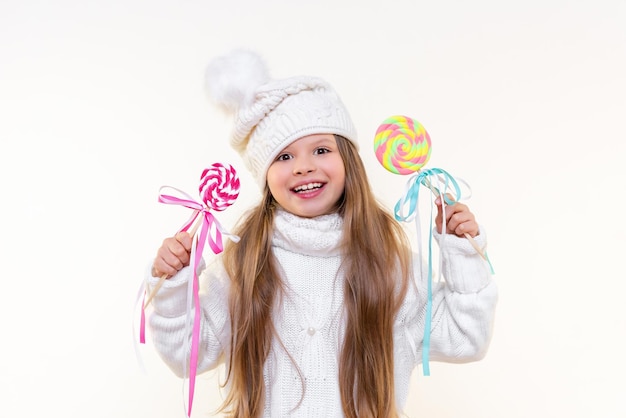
442	184
211	233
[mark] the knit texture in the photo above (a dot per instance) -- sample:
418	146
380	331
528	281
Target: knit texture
310	324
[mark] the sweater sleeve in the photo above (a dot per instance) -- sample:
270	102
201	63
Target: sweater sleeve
169	317
463	304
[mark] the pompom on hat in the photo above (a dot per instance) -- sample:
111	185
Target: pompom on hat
271	114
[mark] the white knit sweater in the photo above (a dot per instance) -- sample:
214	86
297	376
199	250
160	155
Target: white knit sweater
309	317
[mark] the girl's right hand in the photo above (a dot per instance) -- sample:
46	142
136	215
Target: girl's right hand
173	255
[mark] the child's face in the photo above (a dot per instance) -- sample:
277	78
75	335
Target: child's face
307	178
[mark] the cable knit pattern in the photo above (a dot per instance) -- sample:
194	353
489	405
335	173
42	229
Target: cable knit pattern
309	317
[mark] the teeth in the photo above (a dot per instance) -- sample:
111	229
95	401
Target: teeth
307	187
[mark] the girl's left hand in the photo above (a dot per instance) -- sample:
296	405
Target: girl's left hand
459	219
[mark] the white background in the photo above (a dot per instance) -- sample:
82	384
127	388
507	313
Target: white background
102	102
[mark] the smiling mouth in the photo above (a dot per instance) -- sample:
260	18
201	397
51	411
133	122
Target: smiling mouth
307	187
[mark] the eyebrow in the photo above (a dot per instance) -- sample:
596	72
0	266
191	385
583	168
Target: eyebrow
327	140
316	143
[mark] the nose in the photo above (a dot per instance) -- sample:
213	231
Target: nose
303	165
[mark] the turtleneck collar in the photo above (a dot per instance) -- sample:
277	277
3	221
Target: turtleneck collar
319	236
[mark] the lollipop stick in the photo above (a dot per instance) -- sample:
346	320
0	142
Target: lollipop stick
156	288
436	192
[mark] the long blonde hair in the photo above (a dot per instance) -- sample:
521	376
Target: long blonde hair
376	273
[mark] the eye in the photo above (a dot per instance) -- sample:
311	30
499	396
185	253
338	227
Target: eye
321	150
283	157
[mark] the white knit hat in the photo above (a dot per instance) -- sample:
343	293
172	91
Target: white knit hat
271	114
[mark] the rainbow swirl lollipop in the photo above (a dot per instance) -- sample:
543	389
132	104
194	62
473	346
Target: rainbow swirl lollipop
402	145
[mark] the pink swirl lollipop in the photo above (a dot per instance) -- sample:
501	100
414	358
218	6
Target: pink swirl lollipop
402	145
219	186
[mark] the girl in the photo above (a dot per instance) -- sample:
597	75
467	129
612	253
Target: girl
319	310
